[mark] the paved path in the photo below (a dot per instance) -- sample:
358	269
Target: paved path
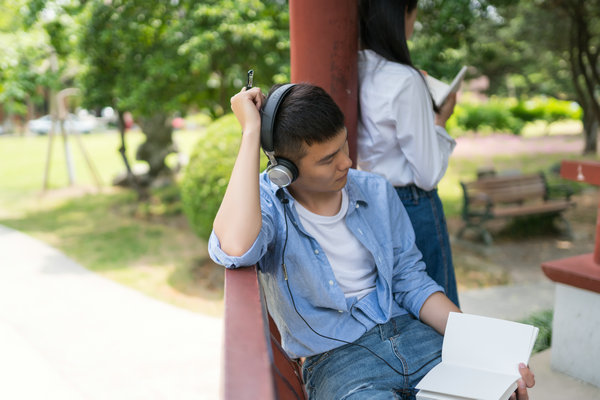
67	333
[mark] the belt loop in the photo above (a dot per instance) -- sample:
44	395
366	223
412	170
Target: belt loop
415	193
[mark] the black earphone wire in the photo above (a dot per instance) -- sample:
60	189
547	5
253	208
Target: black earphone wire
284	201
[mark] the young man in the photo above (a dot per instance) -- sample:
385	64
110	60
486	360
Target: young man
343	278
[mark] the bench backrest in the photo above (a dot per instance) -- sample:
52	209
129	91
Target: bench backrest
506	189
254	364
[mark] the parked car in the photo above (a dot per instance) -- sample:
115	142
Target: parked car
73	123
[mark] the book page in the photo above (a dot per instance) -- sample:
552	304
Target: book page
469	383
440	90
487	343
455	85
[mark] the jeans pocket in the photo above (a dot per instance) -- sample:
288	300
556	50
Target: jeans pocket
418	347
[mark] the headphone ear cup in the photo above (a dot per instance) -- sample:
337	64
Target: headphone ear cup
282	174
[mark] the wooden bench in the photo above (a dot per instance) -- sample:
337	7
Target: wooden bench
495	196
254	363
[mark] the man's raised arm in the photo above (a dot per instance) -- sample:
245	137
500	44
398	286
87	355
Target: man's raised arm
238	221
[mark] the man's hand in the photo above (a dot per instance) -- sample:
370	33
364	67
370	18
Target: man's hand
527	381
246	107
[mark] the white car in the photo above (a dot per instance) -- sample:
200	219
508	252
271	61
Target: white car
73	123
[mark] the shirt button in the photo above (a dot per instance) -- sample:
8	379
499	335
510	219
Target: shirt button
330	283
359	231
356	205
316	251
340	311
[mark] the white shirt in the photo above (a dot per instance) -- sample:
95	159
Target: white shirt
397	137
352	264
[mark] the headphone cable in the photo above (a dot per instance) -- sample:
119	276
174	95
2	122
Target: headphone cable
285	201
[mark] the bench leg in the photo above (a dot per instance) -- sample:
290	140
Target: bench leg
484	234
564	226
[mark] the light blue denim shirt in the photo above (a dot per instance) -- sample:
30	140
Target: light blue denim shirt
379	221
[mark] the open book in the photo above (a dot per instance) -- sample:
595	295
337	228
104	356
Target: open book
480	359
440	90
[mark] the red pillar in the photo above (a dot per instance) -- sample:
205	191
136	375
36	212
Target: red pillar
324	45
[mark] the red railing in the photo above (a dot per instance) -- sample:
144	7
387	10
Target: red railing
255	366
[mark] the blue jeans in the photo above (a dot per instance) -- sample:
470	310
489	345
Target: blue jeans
427	216
351	372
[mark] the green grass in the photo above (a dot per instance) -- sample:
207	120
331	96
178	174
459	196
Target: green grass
144	245
149	245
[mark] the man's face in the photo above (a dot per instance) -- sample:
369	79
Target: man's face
324	168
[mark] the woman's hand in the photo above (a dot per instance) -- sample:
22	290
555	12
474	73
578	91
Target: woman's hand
446	110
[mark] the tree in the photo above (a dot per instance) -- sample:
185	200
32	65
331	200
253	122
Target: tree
160	58
21	62
583	21
520	54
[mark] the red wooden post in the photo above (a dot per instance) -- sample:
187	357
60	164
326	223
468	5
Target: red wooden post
324	46
580	271
585	171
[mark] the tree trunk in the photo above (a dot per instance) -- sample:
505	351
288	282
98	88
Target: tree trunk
590	130
158	145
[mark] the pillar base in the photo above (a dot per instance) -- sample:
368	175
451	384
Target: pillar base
576	333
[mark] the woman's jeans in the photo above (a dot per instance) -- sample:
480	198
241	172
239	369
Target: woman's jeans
351	372
427	216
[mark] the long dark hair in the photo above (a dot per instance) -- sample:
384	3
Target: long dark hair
382	30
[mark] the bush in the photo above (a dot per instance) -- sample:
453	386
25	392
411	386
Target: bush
509	115
542	320
492	116
207	174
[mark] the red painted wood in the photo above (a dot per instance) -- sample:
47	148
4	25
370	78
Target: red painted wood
324	52
247	368
579	271
581	171
589	172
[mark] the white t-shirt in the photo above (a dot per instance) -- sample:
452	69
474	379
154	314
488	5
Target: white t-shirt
352	264
397	137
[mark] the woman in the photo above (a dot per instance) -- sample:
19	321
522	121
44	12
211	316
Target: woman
401	134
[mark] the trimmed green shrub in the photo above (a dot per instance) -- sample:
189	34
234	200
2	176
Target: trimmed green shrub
207	174
493	115
509	115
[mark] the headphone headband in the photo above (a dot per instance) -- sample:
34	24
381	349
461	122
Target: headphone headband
268	114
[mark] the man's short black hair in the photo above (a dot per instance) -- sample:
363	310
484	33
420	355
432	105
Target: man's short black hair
307	115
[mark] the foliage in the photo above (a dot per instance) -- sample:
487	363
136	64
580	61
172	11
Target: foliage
228	38
207	174
543	321
509	115
22	60
161	58
520	55
493	115
441	33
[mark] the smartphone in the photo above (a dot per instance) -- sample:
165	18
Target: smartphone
250	80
